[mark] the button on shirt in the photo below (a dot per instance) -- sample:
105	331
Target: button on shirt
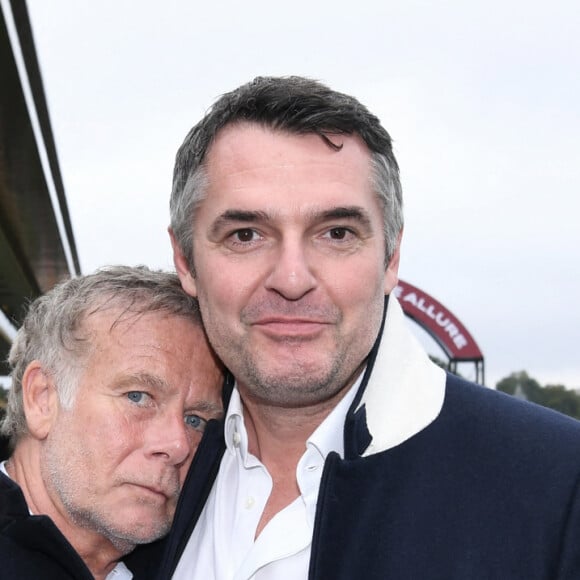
222	546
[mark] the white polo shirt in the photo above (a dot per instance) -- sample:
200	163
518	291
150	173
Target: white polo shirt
222	546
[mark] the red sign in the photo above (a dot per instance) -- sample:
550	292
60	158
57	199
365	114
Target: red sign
439	322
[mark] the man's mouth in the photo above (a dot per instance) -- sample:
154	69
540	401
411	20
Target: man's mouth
290	327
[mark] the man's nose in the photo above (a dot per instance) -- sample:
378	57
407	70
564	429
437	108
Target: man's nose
291	273
170	439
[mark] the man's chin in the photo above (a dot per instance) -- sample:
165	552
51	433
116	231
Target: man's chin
132	532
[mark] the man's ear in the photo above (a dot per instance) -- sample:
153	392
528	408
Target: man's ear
40	400
392	271
182	267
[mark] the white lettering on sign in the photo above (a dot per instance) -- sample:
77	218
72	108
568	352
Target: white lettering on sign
438	316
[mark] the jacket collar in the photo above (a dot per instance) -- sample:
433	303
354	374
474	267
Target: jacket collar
36	534
401	393
12	502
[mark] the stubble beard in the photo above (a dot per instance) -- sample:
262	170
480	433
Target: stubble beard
304	384
63	477
307	378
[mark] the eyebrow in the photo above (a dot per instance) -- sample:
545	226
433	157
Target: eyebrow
353	212
144	379
203	406
237	215
248	216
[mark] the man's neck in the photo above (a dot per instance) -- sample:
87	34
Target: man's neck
98	553
277	436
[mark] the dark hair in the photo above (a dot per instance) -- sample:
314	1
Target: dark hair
296	105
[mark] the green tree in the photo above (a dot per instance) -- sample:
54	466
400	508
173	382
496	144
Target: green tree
3	397
556	397
562	399
521	385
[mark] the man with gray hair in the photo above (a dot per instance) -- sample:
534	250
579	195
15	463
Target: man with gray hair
113	383
345	452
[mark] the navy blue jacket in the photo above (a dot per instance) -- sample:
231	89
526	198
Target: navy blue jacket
32	547
469	484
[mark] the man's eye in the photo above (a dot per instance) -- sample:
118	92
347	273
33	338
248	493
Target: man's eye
245	235
138	397
195	422
338	233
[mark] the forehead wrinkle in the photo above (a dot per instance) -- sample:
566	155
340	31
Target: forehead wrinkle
143	379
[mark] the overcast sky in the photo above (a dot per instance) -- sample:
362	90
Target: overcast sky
482	99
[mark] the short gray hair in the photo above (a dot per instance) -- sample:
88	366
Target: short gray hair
52	330
295	105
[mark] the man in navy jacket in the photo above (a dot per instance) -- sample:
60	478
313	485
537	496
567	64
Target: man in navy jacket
344	453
